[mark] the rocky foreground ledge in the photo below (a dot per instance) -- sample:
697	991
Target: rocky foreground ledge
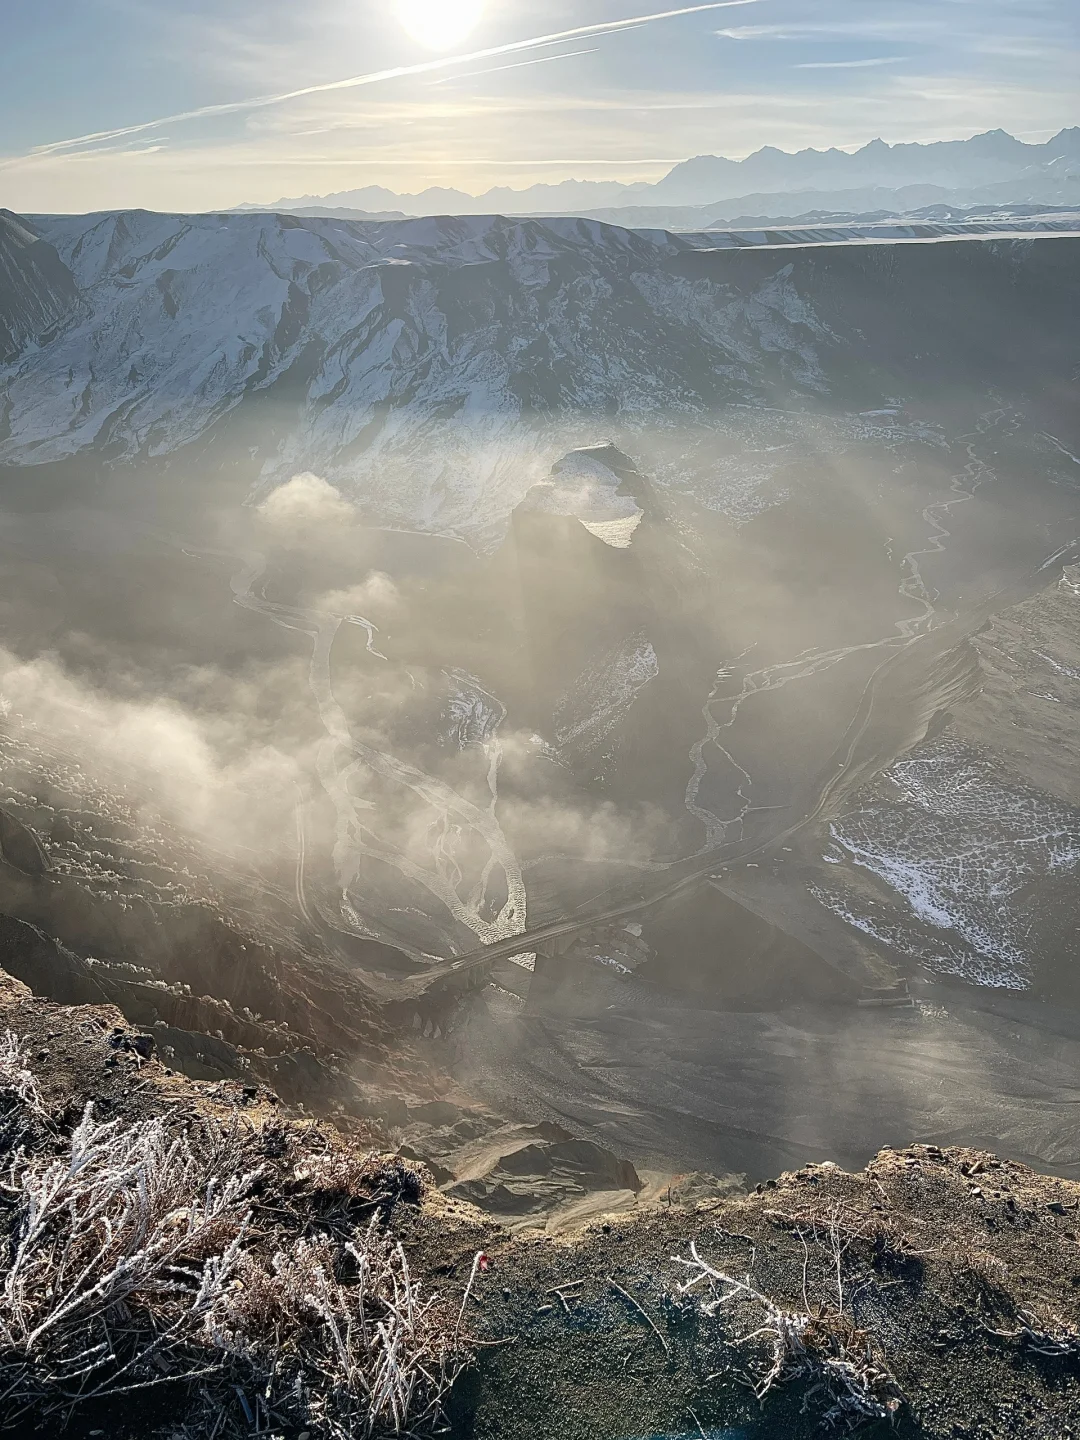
185	1259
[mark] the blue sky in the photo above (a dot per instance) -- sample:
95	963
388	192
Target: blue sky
623	102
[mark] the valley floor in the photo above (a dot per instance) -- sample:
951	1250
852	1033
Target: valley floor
685	1087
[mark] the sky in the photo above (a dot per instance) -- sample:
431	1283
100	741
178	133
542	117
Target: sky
197	104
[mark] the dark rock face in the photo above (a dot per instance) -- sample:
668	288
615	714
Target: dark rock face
37	290
20	847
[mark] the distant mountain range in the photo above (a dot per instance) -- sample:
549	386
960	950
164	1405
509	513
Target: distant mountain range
1021	172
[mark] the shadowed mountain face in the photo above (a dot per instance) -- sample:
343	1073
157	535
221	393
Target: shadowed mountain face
375	591
37	291
993	156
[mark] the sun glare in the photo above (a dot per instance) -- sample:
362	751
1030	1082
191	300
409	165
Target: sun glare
439	24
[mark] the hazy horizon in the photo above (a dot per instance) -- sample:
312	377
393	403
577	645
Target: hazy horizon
125	103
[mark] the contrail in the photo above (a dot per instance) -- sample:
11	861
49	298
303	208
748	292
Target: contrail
375	77
517	65
849	64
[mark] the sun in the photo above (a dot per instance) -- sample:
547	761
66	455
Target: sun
439	24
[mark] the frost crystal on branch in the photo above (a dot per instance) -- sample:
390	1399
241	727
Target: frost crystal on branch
370	1355
120	1249
835	1359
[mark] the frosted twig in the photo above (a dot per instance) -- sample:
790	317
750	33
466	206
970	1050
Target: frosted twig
838	1358
477	1260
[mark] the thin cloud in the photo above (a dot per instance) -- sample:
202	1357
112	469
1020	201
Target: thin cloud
891	27
517	65
353	161
849	64
375	77
777	32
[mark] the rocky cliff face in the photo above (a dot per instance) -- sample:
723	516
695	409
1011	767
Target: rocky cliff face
473	351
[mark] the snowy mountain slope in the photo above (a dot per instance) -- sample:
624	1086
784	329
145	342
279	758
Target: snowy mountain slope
434	369
972	840
447	362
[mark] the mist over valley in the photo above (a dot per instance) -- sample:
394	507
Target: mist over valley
376	592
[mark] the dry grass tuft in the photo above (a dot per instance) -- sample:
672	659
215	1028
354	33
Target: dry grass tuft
350	1177
353	1353
121	1248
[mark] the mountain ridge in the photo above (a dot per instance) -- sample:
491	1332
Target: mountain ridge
987	158
37	290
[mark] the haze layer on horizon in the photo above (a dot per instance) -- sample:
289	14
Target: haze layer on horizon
192	105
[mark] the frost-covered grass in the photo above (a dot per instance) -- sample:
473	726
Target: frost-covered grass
122	1246
140	1256
364	1355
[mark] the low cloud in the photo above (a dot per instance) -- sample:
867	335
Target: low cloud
304	501
203	771
592	832
377	593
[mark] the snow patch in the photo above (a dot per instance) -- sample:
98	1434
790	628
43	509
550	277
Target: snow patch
965	851
603	693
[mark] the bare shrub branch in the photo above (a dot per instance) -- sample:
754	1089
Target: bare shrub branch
825	1349
120	1249
132	1260
1054	1338
17	1080
22	1110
